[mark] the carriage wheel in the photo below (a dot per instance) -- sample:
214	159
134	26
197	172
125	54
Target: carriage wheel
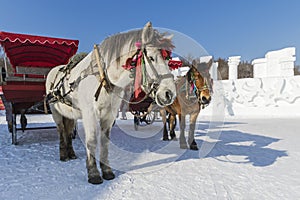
14	129
150	117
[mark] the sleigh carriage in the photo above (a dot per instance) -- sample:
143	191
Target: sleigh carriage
23	79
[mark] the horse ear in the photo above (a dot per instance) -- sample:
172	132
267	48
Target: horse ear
169	37
188	75
195	62
147	33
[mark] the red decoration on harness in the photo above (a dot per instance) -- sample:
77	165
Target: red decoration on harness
138	45
166	54
128	65
138	76
136	62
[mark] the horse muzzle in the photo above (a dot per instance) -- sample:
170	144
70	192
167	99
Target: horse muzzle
165	98
204	100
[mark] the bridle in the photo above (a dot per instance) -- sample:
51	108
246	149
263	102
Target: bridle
150	86
158	77
197	90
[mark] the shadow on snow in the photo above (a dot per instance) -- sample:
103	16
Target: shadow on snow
248	148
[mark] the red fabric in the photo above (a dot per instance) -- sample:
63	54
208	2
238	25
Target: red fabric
174	64
138	76
166	54
128	65
37	51
1	102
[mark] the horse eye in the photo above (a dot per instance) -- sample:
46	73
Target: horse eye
151	58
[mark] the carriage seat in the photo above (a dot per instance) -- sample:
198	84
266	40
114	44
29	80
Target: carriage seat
30	74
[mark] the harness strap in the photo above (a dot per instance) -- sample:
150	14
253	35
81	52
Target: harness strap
158	77
104	82
151	65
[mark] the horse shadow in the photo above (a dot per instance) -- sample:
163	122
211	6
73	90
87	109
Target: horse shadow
225	146
34	133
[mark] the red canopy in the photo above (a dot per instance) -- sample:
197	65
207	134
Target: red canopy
174	64
37	51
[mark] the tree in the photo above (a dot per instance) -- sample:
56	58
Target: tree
222	69
245	70
297	70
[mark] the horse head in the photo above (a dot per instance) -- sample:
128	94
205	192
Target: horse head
156	66
200	77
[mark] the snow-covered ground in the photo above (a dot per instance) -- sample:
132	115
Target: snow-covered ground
250	159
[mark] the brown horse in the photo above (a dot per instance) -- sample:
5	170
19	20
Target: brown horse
193	92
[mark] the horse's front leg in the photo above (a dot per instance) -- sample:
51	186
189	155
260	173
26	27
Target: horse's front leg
191	137
172	124
89	124
182	140
106	125
164	119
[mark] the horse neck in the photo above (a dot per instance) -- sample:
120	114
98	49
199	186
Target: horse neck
181	83
183	88
117	75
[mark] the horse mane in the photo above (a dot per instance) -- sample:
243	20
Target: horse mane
118	41
188	75
74	60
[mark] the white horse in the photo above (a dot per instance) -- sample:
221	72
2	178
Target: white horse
76	94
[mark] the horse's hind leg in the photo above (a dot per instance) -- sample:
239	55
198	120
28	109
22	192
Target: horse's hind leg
58	119
191	138
69	125
182	141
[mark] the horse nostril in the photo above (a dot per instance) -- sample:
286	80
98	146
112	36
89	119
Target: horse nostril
168	95
204	99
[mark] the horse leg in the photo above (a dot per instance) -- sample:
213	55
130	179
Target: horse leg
93	173
63	153
59	120
69	125
182	140
164	119
172	123
107	173
191	137
89	124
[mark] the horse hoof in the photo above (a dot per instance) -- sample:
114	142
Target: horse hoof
194	147
72	157
165	139
95	180
64	158
108	175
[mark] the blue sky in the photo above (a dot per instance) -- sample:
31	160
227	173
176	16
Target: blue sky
248	28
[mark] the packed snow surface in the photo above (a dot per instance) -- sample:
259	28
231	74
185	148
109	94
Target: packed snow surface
239	159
